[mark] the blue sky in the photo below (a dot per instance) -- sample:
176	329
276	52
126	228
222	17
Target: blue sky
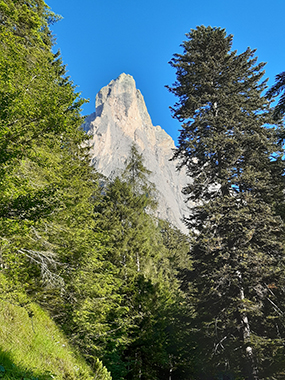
99	40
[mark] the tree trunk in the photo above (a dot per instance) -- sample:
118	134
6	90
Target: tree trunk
138	263
253	371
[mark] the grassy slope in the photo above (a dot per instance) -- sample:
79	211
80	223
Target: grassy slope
32	347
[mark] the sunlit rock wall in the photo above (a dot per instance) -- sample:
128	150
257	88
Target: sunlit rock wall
121	117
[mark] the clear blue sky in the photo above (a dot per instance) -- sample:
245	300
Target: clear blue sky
100	39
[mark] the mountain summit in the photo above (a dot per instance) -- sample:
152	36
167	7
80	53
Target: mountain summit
121	118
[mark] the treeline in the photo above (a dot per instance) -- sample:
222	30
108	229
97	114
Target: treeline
124	287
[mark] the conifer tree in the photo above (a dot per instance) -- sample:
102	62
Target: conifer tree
135	249
278	89
40	139
235	163
136	174
46	182
126	306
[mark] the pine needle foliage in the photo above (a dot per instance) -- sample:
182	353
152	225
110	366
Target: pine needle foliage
46	183
45	179
126	307
278	89
232	151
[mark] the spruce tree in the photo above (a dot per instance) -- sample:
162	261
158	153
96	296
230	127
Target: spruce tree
40	139
47	186
46	183
127	306
135	249
234	160
278	89
136	174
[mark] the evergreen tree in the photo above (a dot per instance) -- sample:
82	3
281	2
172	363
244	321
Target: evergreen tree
135	249
126	307
46	183
136	175
276	90
40	140
235	162
47	186
180	317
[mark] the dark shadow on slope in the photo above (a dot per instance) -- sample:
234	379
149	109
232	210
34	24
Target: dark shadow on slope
9	370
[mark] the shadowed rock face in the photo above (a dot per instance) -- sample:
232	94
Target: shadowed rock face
121	118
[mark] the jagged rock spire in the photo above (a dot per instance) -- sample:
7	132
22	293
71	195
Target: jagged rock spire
121	118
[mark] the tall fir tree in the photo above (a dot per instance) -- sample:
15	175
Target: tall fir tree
46	182
127	307
234	160
137	252
278	89
40	138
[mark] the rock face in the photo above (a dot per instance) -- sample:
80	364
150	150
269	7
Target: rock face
121	118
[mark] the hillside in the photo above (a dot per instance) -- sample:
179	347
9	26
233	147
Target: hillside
32	347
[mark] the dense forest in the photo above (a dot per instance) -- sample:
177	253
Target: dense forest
92	285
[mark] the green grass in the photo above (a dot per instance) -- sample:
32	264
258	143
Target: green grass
32	347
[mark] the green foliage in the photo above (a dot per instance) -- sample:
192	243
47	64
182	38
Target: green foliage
126	294
120	283
32	347
28	21
235	161
96	260
44	174
46	183
136	175
276	90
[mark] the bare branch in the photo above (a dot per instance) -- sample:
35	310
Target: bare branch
45	259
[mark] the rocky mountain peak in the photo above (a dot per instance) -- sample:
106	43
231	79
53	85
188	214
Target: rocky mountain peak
121	118
119	94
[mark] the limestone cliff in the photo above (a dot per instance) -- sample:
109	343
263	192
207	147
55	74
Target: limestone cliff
121	118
